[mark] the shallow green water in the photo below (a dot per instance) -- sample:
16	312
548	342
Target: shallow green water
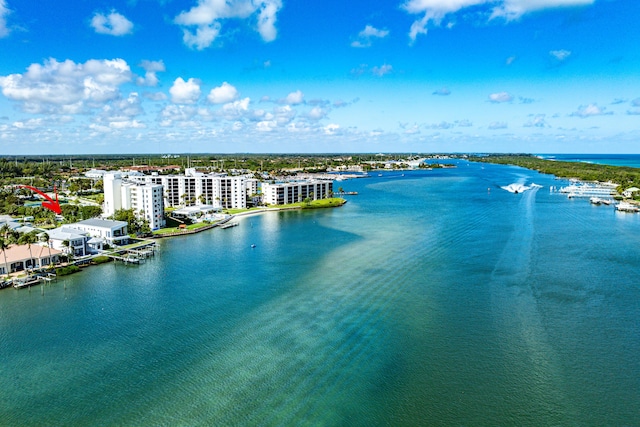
428	299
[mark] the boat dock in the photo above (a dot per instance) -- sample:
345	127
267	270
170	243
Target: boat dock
24	282
135	255
229	225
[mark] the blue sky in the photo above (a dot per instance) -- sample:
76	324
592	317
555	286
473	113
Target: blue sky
166	76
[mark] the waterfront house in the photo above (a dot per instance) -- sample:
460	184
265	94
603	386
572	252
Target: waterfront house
630	192
20	258
112	232
69	240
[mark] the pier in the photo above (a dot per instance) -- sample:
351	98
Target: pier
135	255
24	282
228	225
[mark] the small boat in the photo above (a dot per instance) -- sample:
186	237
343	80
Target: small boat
627	207
253	246
595	201
25	281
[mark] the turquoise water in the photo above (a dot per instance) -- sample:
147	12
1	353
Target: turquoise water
433	298
631	160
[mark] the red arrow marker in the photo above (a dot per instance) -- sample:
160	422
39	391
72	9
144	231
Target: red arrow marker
50	204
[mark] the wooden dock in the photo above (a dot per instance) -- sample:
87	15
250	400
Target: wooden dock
135	255
228	225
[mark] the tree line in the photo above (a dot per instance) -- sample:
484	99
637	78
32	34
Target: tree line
624	176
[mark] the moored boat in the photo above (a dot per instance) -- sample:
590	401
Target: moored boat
627	207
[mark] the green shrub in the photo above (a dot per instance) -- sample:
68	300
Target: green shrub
101	259
69	269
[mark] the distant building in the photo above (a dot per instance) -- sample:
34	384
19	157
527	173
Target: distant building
282	193
95	174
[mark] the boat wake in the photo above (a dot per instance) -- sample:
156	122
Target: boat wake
517	187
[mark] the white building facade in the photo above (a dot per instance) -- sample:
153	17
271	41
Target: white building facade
146	199
282	193
196	189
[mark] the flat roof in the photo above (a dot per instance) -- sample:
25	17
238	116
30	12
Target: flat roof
105	223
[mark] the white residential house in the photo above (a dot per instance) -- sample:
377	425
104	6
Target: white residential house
630	192
111	232
21	257
282	193
76	240
88	236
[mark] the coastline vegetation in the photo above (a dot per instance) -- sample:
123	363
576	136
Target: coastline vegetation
624	176
65	271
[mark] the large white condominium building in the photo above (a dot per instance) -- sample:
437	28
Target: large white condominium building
295	191
146	199
196	188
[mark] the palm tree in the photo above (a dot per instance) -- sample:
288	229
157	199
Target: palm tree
5	231
4	245
28	239
44	237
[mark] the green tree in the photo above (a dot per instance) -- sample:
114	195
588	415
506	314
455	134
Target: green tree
28	239
44	237
66	244
4	245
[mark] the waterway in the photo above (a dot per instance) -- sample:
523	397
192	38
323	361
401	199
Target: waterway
431	298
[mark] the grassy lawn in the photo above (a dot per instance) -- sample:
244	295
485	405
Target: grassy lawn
175	229
314	204
237	211
324	203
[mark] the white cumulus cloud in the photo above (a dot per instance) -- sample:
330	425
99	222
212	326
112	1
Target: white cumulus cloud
382	70
331	129
498	125
500	97
4	11
223	94
185	92
365	37
294	98
66	87
561	54
434	11
236	110
208	15
113	24
317	113
590	110
151	68
513	9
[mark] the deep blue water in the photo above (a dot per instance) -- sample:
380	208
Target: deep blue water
632	160
433	298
